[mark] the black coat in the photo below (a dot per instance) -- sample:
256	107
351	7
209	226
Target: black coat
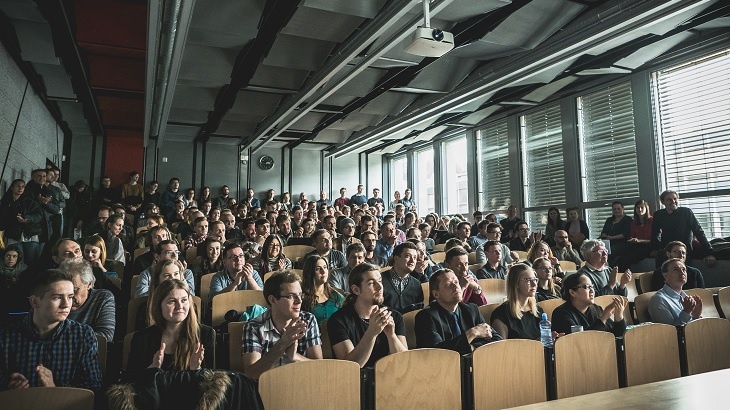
25	206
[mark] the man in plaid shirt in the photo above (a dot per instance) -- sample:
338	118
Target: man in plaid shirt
46	349
283	334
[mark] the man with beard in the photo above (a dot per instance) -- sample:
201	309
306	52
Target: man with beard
363	331
369	240
236	273
322	242
283	228
401	290
563	249
448	323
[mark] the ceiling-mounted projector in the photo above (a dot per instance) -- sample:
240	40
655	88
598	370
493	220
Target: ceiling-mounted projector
430	42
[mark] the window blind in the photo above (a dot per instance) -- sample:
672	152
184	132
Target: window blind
692	103
494	182
542	154
608	144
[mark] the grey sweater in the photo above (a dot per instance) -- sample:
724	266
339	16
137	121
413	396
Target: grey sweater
98	312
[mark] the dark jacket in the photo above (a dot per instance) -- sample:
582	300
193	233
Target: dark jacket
25	206
433	330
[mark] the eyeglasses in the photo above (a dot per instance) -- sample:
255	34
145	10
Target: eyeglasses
545	268
293	296
275	245
530	281
587	287
495	232
236	257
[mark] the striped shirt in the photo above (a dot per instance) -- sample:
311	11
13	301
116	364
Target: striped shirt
260	335
70	353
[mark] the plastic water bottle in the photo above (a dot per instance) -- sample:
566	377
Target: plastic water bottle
546	331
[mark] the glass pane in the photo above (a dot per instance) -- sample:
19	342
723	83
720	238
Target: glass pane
399	173
692	118
425	194
456	184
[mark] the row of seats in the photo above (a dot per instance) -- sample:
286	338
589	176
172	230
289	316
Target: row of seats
506	373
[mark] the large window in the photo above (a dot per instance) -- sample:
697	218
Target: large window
542	155
425	189
399	175
607	143
456	184
692	104
493	164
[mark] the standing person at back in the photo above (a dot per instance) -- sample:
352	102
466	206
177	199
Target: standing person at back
677	223
508	224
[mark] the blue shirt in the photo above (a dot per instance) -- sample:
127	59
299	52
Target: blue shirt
666	307
383	249
70	353
222	280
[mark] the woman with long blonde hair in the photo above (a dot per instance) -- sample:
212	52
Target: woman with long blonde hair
519	317
175	340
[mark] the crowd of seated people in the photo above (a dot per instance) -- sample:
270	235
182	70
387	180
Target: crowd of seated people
365	270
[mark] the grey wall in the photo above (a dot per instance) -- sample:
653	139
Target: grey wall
179	164
36	137
261	180
375	174
306	168
221	168
81	153
345	173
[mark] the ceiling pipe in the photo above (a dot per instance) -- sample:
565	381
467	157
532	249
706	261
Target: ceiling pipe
578	39
317	87
167	31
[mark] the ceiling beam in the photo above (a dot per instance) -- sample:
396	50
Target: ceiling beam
620	18
317	88
276	15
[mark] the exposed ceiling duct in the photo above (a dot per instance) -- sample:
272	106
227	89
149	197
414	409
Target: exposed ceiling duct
167	28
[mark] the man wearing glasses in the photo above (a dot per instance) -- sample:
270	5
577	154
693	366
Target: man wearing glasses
563	249
236	273
283	334
163	251
492	231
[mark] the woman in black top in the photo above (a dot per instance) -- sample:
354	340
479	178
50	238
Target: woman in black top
579	309
519	317
546	287
175	341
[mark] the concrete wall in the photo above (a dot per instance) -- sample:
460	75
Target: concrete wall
345	173
262	180
306	171
221	168
37	136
